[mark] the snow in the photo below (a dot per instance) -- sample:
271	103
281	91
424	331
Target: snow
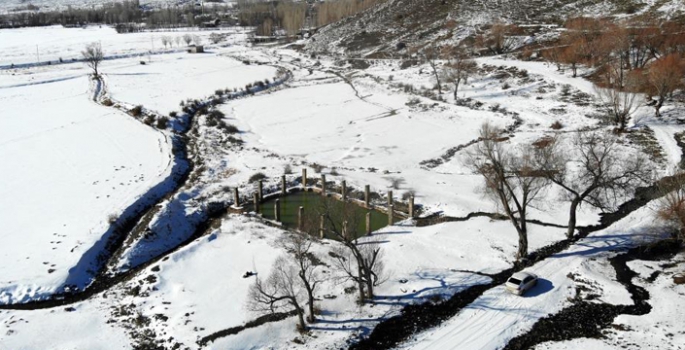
498	316
68	164
661	328
86	327
30	45
186	283
72	163
169	79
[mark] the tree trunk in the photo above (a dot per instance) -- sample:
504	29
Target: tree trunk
657	107
437	77
456	89
362	296
310	296
572	218
300	318
369	287
523	245
360	283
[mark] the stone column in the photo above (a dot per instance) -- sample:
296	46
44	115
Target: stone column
411	206
236	198
321	226
389	198
323	185
277	210
344	190
304	178
260	190
367	196
391	209
368	223
255	199
283	188
300	218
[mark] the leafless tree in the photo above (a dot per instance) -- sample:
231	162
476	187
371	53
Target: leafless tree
93	56
197	40
215	38
361	262
511	179
593	170
620	105
166	40
299	245
671	207
430	54
459	68
664	76
188	39
178	40
499	39
279	291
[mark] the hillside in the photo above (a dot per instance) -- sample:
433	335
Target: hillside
386	29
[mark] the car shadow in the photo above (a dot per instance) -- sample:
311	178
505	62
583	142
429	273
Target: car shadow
543	286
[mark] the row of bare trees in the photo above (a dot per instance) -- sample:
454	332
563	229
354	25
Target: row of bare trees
268	16
295	276
643	56
169	41
457	64
333	11
589	167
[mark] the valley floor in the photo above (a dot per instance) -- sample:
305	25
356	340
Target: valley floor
73	165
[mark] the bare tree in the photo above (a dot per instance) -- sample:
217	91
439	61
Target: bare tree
361	262
188	39
671	207
430	54
166	40
215	38
664	76
593	171
281	289
511	179
620	105
498	39
306	264
93	56
178	40
459	68
197	40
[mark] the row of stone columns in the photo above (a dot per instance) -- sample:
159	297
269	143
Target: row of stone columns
258	197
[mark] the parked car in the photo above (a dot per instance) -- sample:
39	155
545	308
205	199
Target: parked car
520	282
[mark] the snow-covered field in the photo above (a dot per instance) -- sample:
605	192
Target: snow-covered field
43	44
169	79
508	315
69	165
72	165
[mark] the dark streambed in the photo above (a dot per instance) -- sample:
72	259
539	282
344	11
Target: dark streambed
588	320
414	318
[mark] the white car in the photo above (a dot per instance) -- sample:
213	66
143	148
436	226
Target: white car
520	282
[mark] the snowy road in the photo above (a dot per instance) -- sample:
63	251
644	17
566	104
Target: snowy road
498	316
